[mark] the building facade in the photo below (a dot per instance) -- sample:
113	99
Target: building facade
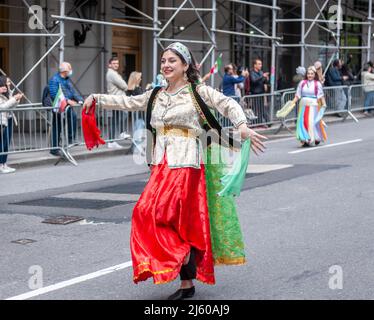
245	33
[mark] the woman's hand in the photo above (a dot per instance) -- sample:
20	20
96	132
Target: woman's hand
18	96
256	139
88	102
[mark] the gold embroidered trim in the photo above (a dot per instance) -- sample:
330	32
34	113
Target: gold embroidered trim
166	271
229	261
174	131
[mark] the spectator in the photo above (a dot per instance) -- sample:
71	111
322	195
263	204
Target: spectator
206	76
134	87
6	122
346	71
318	66
368	82
229	80
335	78
258	80
62	79
139	132
117	86
238	86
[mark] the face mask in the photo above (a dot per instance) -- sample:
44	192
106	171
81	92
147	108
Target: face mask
70	73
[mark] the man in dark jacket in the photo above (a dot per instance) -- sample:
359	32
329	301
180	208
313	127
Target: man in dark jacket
62	78
229	80
335	78
258	80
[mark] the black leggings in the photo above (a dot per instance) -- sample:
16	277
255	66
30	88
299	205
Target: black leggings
188	271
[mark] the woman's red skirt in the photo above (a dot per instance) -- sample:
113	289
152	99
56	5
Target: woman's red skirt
170	217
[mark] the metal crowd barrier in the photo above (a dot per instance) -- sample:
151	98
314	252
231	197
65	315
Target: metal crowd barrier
39	128
31	129
359	98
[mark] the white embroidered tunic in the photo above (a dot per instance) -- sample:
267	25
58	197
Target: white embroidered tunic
177	111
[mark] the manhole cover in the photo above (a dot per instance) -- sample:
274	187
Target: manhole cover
23	241
62	220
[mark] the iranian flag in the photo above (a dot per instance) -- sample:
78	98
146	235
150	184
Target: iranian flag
59	104
217	65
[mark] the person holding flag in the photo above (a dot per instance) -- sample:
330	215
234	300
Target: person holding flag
214	69
63	94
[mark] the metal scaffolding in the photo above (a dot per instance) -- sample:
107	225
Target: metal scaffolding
318	22
160	29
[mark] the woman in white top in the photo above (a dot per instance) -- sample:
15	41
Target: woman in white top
310	127
7	101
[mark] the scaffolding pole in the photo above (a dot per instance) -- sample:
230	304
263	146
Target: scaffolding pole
62	31
302	42
368	55
273	56
214	22
155	58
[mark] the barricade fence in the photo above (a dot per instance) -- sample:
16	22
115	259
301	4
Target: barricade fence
32	127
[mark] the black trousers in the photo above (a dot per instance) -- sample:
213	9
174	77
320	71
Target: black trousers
188	271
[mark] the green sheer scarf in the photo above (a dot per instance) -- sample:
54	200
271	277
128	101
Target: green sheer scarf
226	235
233	181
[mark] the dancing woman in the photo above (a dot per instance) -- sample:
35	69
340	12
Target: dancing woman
171	231
310	127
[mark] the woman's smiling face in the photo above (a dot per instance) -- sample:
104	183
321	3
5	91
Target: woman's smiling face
172	66
311	75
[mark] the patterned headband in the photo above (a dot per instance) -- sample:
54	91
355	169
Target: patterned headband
182	50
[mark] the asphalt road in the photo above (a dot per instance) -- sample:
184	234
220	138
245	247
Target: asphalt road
307	216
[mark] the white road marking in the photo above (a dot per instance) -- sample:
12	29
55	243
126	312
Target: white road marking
325	146
261	168
99	196
71	282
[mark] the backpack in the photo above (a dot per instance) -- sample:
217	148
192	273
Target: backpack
46	97
209	122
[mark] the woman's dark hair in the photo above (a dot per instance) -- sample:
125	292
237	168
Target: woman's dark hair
193	74
316	76
3	80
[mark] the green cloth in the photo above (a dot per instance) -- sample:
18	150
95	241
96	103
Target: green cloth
226	235
233	181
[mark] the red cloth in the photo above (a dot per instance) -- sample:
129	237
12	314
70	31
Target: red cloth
170	216
91	133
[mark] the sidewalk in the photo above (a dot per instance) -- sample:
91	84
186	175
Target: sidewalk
39	158
80	153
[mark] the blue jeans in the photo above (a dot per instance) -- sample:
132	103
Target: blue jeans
71	118
368	104
5	138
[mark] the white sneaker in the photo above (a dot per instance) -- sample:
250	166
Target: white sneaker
124	135
5	169
114	145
